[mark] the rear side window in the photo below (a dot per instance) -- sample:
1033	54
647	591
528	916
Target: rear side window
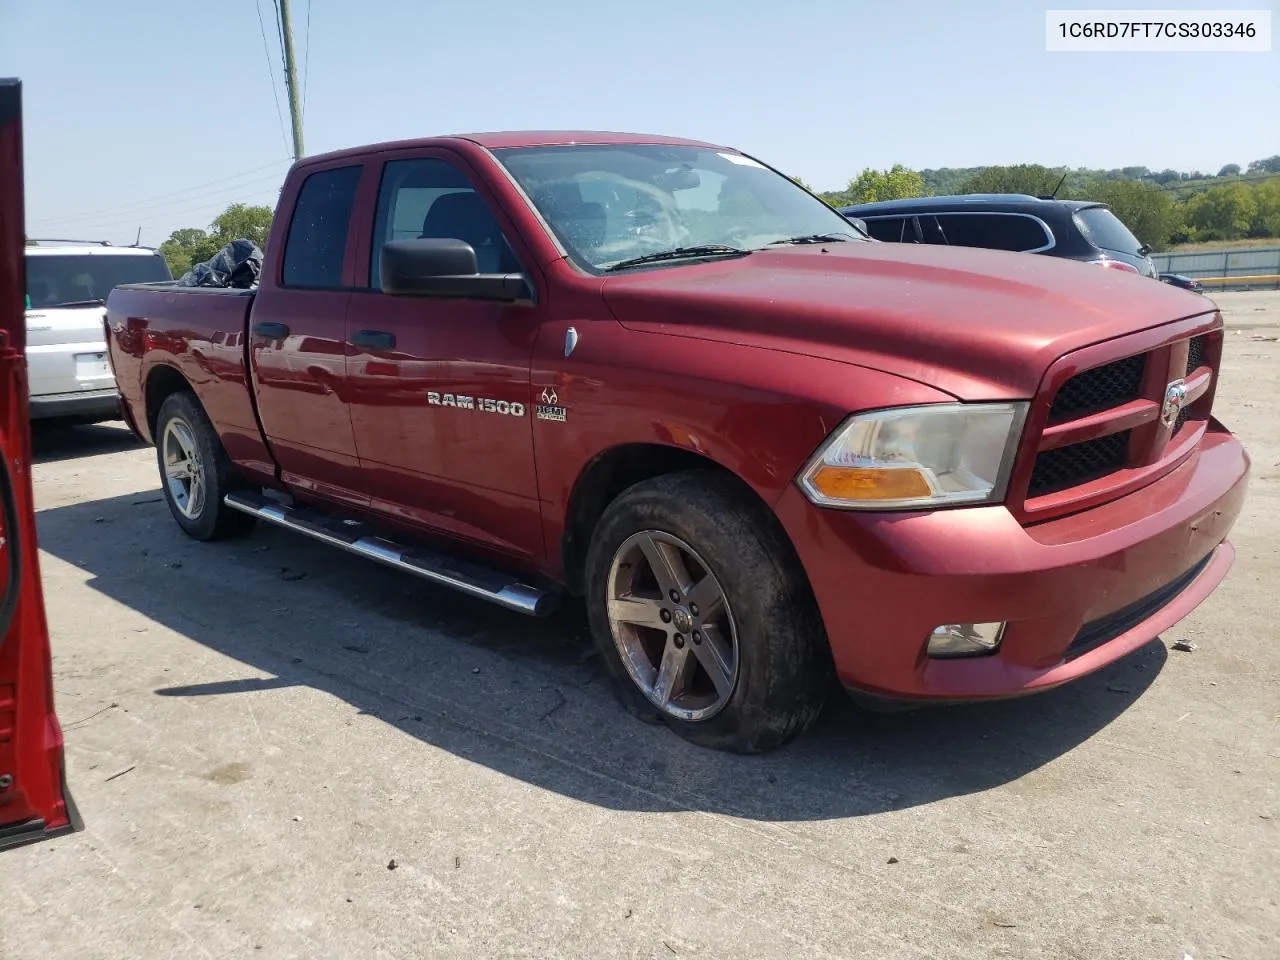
317	242
889	229
57	279
931	230
1104	229
995	231
429	198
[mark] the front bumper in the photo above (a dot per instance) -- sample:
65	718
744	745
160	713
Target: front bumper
1077	592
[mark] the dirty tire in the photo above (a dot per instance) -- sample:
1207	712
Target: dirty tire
783	664
182	429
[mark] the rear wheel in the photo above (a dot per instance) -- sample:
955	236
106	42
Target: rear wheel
195	471
700	611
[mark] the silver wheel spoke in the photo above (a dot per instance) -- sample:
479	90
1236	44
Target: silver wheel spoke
183	471
673	673
666	563
716	657
707	597
637	611
195	497
686	678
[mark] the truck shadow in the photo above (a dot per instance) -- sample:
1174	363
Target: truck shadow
524	697
54	440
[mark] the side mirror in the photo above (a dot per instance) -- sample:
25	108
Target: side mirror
444	269
860	224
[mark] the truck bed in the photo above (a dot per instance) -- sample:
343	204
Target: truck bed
200	332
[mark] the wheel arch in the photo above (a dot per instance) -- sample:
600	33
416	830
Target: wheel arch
162	382
611	472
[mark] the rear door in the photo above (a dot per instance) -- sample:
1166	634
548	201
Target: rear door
34	804
297	338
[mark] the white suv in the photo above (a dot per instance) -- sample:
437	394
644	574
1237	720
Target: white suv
67	287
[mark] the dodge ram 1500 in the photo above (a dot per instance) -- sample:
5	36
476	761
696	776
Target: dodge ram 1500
660	375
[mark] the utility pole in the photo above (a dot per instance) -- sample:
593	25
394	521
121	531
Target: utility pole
291	79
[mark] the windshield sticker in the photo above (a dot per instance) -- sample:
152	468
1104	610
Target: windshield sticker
741	161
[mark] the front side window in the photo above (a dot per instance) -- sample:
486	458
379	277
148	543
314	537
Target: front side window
611	203
889	229
57	279
432	199
316	246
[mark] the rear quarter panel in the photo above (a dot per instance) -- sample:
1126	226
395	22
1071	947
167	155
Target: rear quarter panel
199	333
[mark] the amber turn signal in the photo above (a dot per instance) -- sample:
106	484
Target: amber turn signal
870	483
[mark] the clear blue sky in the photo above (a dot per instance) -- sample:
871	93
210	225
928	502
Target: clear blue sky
158	114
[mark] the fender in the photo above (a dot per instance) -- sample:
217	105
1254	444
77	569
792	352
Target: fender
733	405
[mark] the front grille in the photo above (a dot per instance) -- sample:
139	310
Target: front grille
1078	463
1107	386
1099	395
1097	632
1196	352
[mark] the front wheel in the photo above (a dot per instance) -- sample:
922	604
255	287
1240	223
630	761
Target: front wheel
195	471
701	613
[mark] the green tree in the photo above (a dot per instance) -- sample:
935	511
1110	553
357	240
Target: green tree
1222	213
1267	165
191	245
871	185
185	247
1230	170
243	222
1029	178
1266	216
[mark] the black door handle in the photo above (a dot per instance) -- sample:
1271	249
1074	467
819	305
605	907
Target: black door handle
271	331
373	340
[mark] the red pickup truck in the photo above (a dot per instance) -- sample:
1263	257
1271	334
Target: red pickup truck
659	374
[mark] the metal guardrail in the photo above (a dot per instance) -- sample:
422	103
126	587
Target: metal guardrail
1263	280
1249	267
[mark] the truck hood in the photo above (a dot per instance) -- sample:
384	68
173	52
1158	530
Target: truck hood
978	324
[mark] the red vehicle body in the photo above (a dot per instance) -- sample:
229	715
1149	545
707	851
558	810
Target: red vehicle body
1112	519
34	802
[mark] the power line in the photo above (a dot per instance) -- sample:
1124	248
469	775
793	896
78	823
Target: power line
211	196
1208	183
271	73
130	222
180	195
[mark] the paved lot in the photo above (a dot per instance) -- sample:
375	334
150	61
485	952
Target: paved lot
259	731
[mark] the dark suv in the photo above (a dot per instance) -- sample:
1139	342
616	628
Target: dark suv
1075	229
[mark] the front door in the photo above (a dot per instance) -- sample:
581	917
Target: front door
441	402
34	803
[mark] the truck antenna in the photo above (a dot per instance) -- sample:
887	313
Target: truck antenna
1054	195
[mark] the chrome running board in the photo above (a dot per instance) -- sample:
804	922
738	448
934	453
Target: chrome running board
356	537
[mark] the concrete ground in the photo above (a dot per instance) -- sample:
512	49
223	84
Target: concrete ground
281	751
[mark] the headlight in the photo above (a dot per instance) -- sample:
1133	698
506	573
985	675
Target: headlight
913	457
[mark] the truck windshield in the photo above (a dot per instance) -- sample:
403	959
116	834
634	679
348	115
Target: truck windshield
78	278
611	204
